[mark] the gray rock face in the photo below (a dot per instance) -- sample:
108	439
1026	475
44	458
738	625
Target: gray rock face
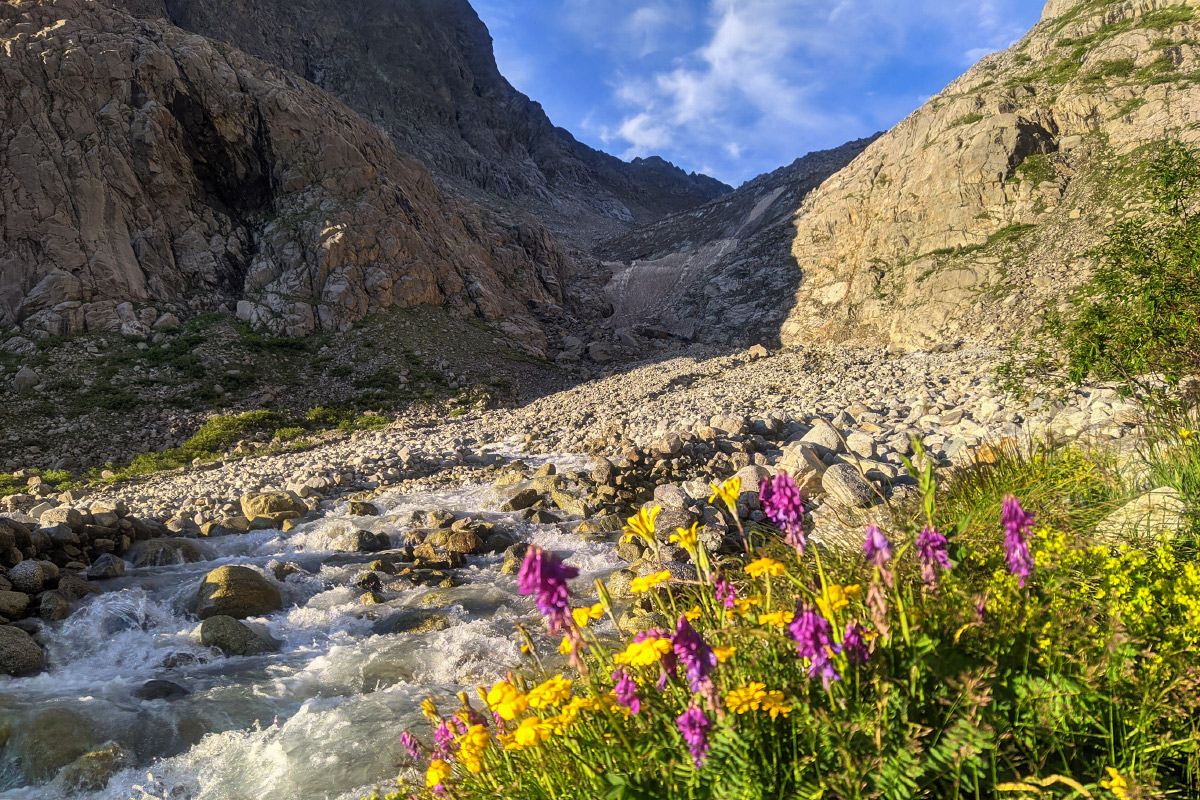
19	654
844	485
231	637
237	592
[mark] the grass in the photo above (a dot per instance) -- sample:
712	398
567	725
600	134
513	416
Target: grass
1037	169
969	119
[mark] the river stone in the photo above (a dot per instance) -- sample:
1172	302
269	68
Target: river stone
106	566
231	637
464	542
53	738
71	517
19	653
823	436
513	558
31	577
237	592
73	587
844	485
620	582
13	605
160	690
359	508
275	506
570	504
520	500
92	771
52	606
165	552
630	550
412	622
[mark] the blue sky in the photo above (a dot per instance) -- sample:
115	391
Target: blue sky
735	88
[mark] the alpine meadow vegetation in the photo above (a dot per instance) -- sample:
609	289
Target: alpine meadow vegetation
980	644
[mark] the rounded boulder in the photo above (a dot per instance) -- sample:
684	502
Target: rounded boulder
237	592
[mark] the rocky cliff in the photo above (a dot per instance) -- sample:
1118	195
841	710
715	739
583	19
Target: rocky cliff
976	211
424	71
142	165
723	271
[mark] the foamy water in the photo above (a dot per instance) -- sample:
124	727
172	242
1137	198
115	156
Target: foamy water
318	720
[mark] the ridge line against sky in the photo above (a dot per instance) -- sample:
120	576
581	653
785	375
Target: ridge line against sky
735	88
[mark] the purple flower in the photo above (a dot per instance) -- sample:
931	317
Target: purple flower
1017	522
825	668
931	548
410	744
626	691
725	593
545	576
877	548
811	632
697	658
694	725
784	506
443	739
854	646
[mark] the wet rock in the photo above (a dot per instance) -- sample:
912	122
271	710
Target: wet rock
464	542
371	542
13	605
237	592
233	638
165	552
282	569
273	506
160	690
52	739
92	771
497	543
53	606
359	508
631	550
521	500
19	653
105	567
843	484
31	577
513	558
75	588
570	504
540	516
412	622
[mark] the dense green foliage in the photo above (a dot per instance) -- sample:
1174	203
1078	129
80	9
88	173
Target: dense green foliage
1139	314
1079	683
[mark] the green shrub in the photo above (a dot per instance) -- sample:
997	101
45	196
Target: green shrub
1140	312
969	119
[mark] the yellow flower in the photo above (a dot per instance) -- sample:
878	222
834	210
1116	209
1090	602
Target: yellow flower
836	598
554	692
744	604
564	646
570	712
1186	435
764	566
692	614
583	616
687	537
775	705
506	700
530	733
642	524
643	585
1116	784
776	618
644	653
437	773
724	653
728	492
747	698
471	747
430	710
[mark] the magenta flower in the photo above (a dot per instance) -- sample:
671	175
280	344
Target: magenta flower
931	548
877	548
784	506
854	646
1017	522
444	746
694	725
411	745
725	593
545	576
626	691
697	658
812	633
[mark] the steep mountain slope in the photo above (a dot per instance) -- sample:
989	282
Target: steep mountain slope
718	272
976	210
425	72
142	164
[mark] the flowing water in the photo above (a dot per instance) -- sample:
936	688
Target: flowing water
317	720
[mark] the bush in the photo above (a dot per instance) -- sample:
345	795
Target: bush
1030	660
1139	314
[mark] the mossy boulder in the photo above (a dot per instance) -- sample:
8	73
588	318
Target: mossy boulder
237	592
